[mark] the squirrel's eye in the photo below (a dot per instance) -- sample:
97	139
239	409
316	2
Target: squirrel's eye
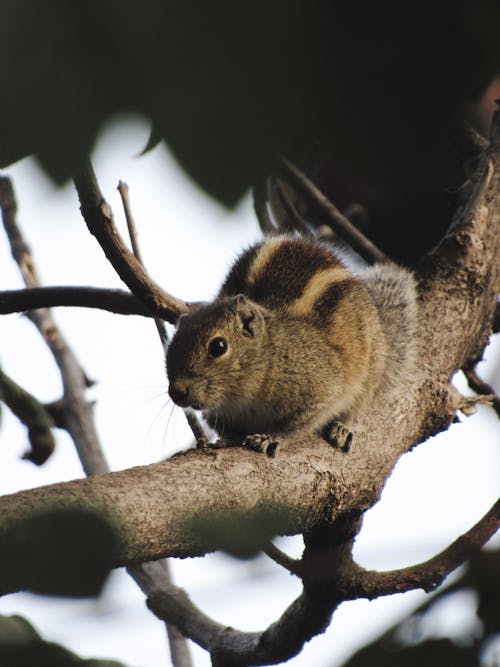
217	347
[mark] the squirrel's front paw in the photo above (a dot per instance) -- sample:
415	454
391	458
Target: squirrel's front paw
337	435
221	443
260	442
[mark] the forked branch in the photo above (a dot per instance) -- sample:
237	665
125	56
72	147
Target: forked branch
97	214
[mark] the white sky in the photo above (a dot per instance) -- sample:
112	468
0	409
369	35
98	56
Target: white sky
435	493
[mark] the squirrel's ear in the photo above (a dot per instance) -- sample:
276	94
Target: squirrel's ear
181	320
249	314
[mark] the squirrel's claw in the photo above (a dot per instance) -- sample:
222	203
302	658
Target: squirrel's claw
337	435
260	442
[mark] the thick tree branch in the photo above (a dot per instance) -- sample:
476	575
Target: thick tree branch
156	505
97	214
112	300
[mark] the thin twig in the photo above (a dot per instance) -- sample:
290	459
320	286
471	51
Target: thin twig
356	239
98	216
79	418
113	300
75	412
297	221
179	650
429	574
33	415
293	565
123	189
260	205
478	385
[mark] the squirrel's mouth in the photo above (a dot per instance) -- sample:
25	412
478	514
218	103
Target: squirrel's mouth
182	396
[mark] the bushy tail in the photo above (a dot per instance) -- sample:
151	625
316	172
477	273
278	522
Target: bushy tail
395	294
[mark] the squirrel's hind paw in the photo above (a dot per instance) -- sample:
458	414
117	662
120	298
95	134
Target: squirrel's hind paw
337	435
260	442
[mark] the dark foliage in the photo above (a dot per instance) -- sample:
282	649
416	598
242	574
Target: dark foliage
376	86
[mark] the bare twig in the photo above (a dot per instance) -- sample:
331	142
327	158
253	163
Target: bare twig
99	219
291	564
123	189
260	206
154	579
74	412
356	239
429	574
112	300
33	415
78	417
478	385
306	616
297	221
179	650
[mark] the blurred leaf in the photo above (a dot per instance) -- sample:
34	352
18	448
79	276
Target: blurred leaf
16	630
435	653
240	535
484	576
229	85
22	646
397	647
59	552
33	415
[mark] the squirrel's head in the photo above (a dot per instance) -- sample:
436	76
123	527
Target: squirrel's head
212	351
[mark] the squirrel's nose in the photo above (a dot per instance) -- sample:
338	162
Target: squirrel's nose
179	392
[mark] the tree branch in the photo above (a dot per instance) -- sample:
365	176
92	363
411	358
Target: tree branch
179	650
112	300
339	223
97	214
297	221
291	564
78	411
33	415
478	385
496	319
427	575
260	207
74	412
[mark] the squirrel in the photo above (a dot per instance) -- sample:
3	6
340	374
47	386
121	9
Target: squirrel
294	343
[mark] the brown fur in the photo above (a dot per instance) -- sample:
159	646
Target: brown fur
307	341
